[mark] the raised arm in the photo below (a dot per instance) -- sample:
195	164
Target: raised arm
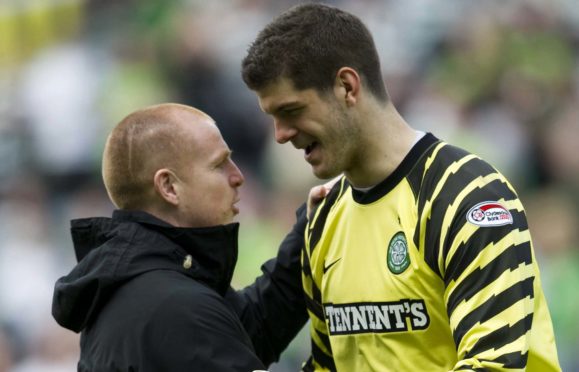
272	309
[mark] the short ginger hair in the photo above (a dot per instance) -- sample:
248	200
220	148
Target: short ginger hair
142	143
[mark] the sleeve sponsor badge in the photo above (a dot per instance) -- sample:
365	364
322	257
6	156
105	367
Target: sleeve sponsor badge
489	213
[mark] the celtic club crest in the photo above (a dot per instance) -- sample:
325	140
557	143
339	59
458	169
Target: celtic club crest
398	257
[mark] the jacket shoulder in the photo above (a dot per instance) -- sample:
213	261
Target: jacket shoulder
178	324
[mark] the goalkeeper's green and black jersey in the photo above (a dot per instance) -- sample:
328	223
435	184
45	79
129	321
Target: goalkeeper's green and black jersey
431	270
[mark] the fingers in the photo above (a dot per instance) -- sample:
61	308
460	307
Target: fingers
316	195
328	185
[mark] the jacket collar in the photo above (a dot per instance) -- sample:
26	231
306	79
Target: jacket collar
213	250
112	251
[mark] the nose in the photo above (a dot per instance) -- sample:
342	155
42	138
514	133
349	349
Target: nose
236	178
283	132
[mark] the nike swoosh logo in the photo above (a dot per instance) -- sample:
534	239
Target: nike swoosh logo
326	268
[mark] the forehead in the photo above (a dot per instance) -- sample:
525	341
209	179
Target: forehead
282	93
203	136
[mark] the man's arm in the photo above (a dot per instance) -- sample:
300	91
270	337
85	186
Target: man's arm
273	309
490	277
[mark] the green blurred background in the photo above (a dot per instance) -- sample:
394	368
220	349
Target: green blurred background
498	78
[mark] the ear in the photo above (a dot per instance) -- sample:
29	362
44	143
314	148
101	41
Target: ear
347	85
165	185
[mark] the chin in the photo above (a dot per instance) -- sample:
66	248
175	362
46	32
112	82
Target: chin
325	174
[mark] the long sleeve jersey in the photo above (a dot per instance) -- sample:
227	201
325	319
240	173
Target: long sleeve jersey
431	270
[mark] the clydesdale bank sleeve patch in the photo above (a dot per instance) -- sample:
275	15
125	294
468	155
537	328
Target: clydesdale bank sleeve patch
489	213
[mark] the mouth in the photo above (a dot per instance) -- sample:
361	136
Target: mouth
309	148
234	207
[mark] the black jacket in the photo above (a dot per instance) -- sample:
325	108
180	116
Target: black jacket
147	296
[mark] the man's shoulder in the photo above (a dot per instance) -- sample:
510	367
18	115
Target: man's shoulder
184	302
160	298
169	285
451	164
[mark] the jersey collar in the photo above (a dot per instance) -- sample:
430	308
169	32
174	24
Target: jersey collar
403	169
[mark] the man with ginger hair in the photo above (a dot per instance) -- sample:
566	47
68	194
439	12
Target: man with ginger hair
151	291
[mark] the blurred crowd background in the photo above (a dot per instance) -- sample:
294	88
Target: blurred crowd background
499	78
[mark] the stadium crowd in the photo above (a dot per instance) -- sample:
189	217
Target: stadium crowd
500	79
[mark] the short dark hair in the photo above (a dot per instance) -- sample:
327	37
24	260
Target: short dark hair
308	44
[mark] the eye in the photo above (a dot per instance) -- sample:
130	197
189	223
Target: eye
223	162
292	111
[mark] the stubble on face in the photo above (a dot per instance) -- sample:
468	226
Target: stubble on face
341	142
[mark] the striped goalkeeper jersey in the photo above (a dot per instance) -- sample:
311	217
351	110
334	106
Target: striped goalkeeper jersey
431	270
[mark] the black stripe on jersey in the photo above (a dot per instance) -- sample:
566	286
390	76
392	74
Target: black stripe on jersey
467	251
317	295
313	304
493	191
514	360
325	340
501	337
519	222
403	169
493	306
335	193
322	358
454	184
314	307
509	259
308	365
306	267
415	177
470	368
445	157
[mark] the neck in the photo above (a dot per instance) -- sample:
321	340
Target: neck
386	139
163	213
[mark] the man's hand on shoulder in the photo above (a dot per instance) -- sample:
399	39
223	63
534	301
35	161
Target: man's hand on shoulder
319	192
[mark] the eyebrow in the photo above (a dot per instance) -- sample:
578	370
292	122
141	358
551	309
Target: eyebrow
222	156
284	106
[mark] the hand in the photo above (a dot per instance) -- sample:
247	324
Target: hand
318	193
